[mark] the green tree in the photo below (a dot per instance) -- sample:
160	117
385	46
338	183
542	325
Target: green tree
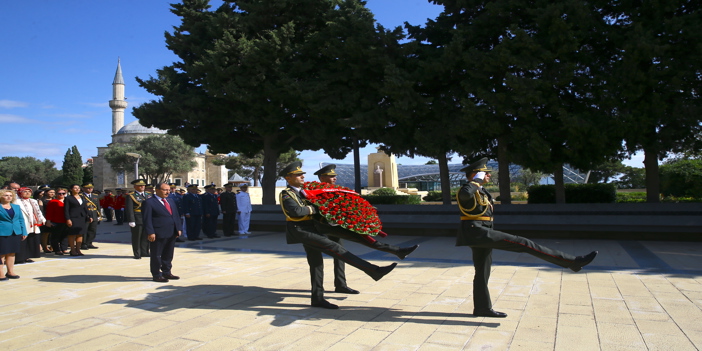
267	75
161	156
88	173
604	172
252	167
72	170
29	170
529	177
656	78
632	178
682	177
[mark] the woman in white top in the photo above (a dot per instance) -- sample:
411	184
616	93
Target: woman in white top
33	219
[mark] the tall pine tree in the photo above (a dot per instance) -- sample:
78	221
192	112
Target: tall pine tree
72	167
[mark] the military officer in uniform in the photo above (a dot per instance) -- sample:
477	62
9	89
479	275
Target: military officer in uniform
227	202
93	203
210	210
132	214
192	208
300	229
476	206
327	174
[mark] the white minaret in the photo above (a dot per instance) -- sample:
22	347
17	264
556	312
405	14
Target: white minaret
118	103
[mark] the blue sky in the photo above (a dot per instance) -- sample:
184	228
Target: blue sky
58	59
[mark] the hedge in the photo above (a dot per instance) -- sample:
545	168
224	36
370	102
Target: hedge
436	196
574	193
393	199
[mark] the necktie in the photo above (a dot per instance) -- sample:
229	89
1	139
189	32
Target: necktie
302	192
168	207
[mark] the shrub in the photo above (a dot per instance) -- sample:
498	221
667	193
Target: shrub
682	178
393	199
574	193
384	192
436	196
634	197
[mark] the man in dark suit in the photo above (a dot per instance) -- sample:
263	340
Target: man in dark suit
210	210
162	226
93	203
227	201
300	229
476	206
133	216
192	208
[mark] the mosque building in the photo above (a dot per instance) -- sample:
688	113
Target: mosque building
106	178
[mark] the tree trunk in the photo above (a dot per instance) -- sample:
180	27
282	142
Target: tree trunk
270	159
503	176
560	186
653	184
444	178
256	175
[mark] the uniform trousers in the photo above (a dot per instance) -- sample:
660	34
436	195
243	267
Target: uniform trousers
108	214
194	226
140	241
89	236
244	219
343	233
209	225
119	216
229	223
161	260
315	245
481	238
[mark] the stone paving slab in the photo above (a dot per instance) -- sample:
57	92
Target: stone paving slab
252	293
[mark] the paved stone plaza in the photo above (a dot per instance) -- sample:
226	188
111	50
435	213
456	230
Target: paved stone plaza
252	293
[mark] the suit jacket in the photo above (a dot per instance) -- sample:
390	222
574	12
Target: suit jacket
74	210
12	225
158	221
132	208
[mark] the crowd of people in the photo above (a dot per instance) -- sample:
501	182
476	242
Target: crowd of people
63	220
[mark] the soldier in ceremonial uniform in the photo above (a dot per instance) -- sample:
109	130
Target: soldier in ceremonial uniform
120	199
476	206
210	210
107	202
192	208
132	211
227	202
327	174
94	213
300	229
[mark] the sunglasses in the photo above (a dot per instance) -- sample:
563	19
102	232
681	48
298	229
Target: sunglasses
62	193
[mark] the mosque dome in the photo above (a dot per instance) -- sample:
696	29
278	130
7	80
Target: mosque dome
136	128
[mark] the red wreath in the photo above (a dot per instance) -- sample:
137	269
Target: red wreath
344	207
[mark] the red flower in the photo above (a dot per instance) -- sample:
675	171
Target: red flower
344	207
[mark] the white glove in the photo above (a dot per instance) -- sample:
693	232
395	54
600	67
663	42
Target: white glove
132	224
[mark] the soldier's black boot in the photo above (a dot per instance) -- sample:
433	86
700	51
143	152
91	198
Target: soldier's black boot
582	261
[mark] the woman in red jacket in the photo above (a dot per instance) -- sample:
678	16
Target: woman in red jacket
56	220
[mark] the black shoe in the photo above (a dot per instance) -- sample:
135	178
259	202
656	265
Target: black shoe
10	276
171	276
137	257
29	260
325	304
582	261
214	237
405	251
160	280
489	313
347	290
382	271
84	247
179	240
91	246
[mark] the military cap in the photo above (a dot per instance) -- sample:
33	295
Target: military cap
87	185
106	190
139	182
118	189
327	170
477	166
228	185
45	187
209	186
292	169
172	185
192	186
